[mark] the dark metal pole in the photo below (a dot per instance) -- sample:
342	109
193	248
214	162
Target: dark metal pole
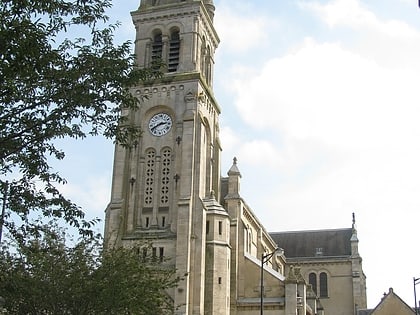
262	286
264	259
415	282
3	211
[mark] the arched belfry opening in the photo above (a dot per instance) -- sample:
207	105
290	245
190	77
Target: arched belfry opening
157	47
174	50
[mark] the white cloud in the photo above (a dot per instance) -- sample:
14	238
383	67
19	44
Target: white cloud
346	114
327	93
240	33
353	14
392	42
251	152
257	152
343	12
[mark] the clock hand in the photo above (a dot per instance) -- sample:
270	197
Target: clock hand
159	124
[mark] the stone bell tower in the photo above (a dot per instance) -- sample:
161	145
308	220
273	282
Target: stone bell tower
161	187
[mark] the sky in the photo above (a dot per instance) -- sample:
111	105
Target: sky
321	106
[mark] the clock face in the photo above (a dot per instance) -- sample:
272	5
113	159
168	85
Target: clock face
160	124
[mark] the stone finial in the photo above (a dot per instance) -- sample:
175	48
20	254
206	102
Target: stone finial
354	230
234	170
354	221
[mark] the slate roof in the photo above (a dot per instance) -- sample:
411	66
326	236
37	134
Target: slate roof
304	244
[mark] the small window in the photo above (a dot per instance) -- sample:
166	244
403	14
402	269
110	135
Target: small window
154	252
163	221
207	227
147	222
208	68
246	234
220	280
220	227
323	285
161	254
144	254
312	281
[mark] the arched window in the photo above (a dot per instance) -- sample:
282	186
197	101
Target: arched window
312	281
165	177
149	178
246	234
203	56
250	240
323	285
157	47
208	65
174	48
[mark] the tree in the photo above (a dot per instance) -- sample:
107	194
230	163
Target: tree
55	85
46	276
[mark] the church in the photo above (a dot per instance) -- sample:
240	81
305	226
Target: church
168	190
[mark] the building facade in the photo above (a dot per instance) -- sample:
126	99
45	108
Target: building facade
390	304
330	262
168	189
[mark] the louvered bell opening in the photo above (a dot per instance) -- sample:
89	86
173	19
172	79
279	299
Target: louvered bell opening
173	58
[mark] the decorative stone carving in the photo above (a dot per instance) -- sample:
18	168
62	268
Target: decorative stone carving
190	97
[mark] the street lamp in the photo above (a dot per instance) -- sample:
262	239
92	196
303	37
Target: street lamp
264	259
415	282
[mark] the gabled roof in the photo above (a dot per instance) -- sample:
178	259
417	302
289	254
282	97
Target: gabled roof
317	243
391	303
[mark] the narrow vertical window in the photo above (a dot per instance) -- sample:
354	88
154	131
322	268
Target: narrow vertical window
144	254
323	285
163	221
246	233
154	253
174	48
149	178
207	227
312	282
161	254
165	174
220	227
208	65
203	57
157	48
220	280
147	222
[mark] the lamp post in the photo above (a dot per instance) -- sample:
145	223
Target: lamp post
416	281
264	259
